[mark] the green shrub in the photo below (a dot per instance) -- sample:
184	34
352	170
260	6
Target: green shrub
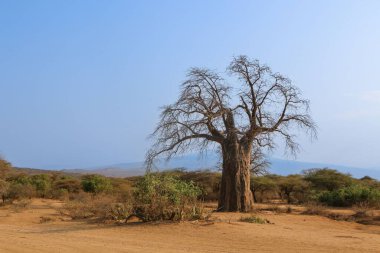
207	181
21	179
351	195
327	179
368	181
155	197
42	184
96	184
19	187
165	197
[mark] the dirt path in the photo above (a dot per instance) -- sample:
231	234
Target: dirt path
23	232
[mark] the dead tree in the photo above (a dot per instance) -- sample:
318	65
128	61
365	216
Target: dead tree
211	114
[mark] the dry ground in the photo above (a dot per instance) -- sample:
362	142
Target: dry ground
22	231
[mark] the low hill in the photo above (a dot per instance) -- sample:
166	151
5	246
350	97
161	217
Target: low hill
194	162
33	171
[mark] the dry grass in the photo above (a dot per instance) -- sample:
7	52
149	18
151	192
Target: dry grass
46	219
274	208
314	209
90	206
254	219
103	208
360	214
23	231
20	205
367	216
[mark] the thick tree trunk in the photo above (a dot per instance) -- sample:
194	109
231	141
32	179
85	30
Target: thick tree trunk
235	192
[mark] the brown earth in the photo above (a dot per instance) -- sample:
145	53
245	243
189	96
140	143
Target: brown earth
25	231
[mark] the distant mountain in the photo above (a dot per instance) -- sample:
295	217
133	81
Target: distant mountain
211	161
32	171
190	162
286	167
110	171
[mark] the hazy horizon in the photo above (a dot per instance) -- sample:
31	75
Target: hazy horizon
82	81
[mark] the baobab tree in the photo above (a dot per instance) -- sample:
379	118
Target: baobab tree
209	113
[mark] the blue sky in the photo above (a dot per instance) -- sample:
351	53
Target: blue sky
81	82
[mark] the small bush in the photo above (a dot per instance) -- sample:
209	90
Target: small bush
42	184
96	184
165	197
18	191
314	209
89	206
254	219
46	219
120	212
71	185
207	181
122	189
61	194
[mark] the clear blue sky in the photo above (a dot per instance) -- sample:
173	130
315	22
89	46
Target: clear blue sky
81	81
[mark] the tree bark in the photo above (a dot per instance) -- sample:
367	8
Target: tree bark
235	192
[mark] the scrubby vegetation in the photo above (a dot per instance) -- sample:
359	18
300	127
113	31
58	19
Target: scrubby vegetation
178	194
323	186
352	195
96	184
154	197
165	197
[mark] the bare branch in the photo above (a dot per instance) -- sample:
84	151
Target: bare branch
269	105
276	106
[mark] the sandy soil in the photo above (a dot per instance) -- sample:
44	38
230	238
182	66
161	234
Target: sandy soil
22	231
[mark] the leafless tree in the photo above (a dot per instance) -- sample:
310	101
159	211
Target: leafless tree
211	114
259	164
